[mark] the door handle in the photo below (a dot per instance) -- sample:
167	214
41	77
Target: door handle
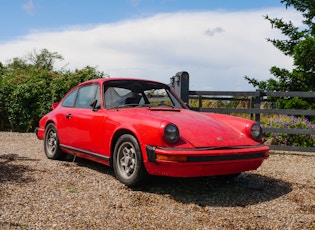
69	116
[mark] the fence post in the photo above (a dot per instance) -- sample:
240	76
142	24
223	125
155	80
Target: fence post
200	102
251	105
256	102
180	83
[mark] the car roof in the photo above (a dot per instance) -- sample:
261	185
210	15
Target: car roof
101	80
116	81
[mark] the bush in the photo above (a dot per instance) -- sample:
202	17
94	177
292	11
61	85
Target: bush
291	122
29	86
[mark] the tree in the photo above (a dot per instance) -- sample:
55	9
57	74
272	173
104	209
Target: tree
300	45
28	87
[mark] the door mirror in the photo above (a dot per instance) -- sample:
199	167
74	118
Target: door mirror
94	105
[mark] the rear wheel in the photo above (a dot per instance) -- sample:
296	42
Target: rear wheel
51	143
127	161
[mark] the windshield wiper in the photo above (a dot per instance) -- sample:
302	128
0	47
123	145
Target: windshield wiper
133	105
164	105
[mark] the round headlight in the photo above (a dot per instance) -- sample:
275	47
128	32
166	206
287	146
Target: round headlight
171	133
256	131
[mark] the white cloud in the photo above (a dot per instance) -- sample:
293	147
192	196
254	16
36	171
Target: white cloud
135	2
211	32
29	7
217	48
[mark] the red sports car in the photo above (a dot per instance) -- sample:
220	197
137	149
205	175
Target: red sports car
143	128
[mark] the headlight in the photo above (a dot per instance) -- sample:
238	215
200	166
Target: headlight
171	133
256	131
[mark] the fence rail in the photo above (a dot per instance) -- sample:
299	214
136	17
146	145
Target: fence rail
254	101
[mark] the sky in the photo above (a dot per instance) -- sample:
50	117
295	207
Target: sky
217	42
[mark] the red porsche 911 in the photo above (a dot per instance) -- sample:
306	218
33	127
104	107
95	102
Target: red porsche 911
142	128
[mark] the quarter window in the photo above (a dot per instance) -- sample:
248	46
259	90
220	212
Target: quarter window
69	100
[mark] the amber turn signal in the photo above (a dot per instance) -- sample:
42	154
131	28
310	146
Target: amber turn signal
171	158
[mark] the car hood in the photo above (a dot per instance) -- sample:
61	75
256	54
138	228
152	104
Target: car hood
201	130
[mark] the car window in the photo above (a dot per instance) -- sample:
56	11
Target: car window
69	100
130	93
158	96
98	98
86	95
115	96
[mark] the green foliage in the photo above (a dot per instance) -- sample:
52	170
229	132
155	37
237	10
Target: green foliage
291	139
29	86
194	103
300	45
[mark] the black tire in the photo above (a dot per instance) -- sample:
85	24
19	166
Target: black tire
127	161
51	143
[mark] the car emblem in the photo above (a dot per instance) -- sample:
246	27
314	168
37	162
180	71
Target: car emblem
219	138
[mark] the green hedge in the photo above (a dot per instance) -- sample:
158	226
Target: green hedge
28	87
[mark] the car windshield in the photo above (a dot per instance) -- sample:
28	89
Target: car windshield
132	93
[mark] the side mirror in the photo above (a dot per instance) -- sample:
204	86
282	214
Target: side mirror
94	105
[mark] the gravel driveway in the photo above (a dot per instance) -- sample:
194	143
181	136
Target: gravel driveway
37	193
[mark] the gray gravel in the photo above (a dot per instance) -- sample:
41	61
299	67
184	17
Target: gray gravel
37	193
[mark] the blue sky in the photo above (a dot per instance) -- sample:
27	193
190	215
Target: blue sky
217	41
20	17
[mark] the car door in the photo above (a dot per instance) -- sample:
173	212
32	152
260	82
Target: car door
64	118
85	126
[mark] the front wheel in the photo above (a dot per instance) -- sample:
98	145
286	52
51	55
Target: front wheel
127	161
51	144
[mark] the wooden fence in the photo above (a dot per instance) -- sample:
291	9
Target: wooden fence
254	104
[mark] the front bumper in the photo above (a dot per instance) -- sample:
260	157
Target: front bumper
204	161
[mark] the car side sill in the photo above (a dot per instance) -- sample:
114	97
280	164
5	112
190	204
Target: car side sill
85	152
